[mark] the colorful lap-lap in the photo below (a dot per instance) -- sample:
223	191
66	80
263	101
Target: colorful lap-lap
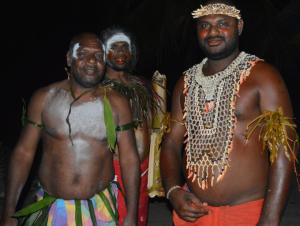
246	214
143	199
62	212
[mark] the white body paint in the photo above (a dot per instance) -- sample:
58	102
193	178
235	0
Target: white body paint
75	48
119	37
103	47
86	119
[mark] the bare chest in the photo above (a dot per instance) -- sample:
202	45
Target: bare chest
85	118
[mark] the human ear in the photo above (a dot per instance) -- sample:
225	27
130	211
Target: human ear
68	58
240	26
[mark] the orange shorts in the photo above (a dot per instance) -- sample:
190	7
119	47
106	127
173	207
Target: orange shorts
246	214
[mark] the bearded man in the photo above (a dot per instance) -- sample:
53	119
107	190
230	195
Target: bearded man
78	117
227	181
121	51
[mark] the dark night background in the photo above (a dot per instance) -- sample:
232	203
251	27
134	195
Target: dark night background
35	36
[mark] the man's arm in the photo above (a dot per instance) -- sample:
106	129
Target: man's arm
22	158
273	94
130	164
171	163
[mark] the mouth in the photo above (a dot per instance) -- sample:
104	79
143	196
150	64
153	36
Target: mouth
89	70
214	42
120	60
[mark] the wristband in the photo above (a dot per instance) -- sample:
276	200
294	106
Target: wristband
171	189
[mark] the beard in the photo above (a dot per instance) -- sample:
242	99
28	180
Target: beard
229	48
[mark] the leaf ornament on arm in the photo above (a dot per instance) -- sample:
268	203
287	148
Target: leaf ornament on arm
273	134
26	121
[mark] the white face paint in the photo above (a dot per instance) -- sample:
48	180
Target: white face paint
119	37
104	55
75	48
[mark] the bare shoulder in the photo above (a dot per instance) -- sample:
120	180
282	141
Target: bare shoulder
41	93
115	96
272	90
179	87
117	100
37	100
264	74
177	100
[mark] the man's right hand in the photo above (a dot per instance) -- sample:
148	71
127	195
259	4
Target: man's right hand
187	206
8	221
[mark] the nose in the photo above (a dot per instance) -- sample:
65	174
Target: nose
213	30
120	50
91	59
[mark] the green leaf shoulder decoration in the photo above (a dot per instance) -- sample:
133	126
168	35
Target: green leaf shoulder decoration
273	134
140	92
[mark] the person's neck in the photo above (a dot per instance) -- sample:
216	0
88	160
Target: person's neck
212	67
78	89
119	76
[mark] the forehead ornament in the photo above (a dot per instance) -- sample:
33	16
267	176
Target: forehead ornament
217	9
119	37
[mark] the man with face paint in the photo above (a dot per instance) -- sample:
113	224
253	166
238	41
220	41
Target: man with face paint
227	182
121	54
76	171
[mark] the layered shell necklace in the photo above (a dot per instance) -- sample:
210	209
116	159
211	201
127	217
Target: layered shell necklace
210	117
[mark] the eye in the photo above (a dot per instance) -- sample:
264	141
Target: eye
204	25
81	53
125	47
99	55
223	24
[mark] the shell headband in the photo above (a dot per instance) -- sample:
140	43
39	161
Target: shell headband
217	9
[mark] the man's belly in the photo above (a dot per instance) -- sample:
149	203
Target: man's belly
244	181
75	174
71	186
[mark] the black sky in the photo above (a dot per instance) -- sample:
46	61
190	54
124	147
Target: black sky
35	36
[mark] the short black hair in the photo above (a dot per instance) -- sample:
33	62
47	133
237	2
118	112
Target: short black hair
107	33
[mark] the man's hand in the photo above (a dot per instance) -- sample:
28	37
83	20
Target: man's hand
128	221
8	221
187	206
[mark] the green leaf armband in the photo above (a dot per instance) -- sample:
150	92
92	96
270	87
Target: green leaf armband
26	121
128	126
